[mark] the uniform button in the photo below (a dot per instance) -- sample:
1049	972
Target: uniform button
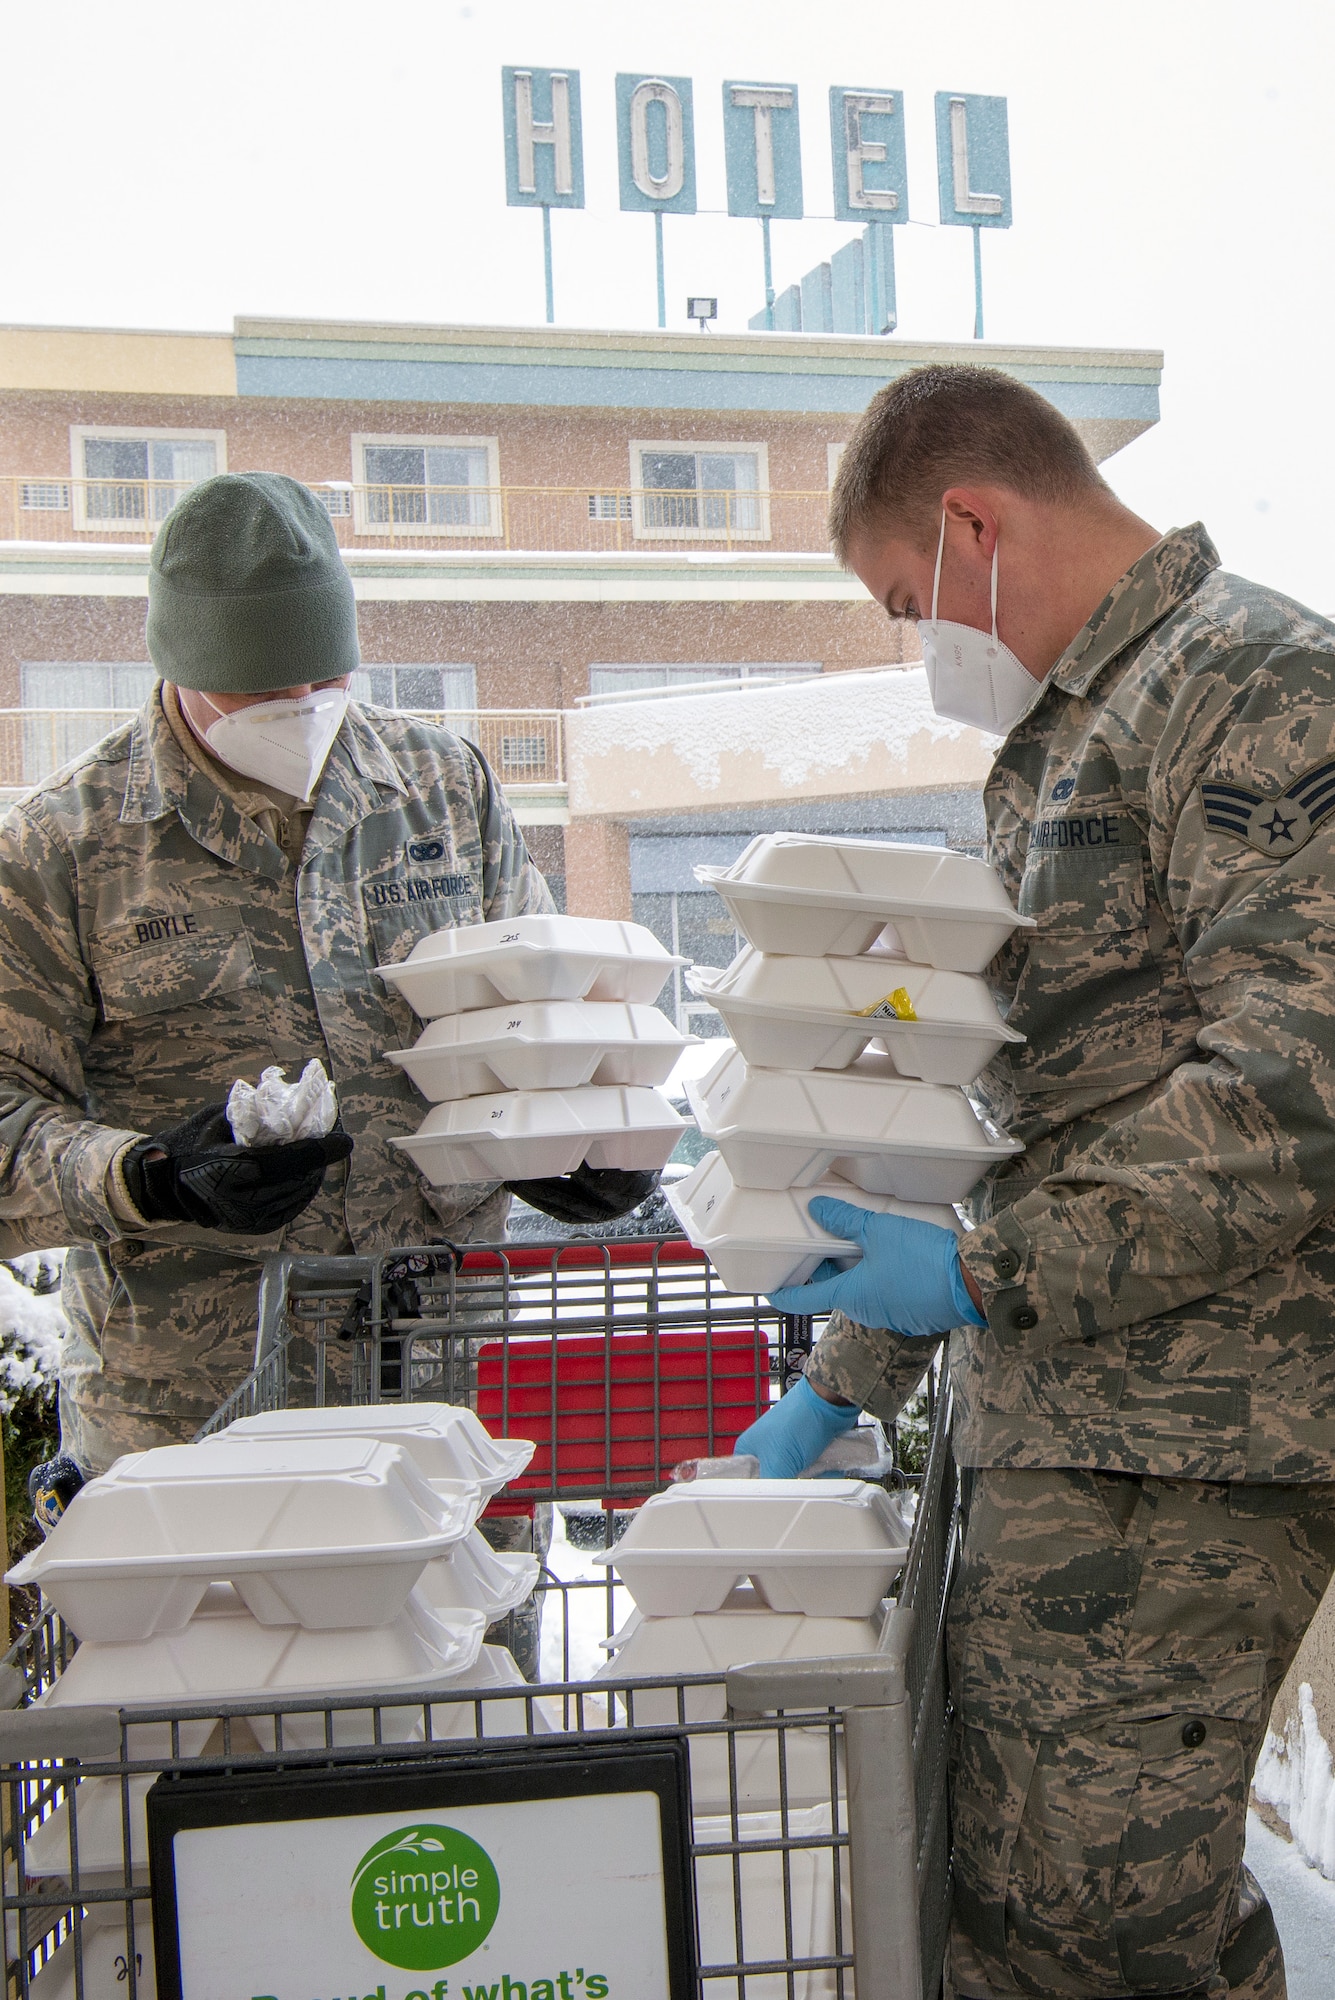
1193	1733
1025	1318
1007	1264
130	1248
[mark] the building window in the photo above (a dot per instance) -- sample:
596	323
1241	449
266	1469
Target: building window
693	492
137	477
632	677
335	496
427	486
72	705
425	689
833	454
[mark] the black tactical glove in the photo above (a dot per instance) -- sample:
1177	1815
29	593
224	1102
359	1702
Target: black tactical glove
204	1177
590	1194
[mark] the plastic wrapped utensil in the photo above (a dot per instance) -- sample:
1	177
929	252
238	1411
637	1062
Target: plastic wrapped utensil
274	1112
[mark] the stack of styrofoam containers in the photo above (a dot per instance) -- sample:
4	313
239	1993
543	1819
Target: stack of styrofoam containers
857	1016
727	1570
303	1554
542	1049
723	1571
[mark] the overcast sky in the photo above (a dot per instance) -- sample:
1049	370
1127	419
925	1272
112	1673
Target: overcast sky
173	165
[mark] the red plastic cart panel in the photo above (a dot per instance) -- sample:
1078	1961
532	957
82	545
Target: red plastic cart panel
621	1411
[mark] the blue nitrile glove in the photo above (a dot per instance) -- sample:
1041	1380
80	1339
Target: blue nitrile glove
794	1432
909	1277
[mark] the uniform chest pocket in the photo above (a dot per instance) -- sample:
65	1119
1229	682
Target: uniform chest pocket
1089	986
167	961
393	933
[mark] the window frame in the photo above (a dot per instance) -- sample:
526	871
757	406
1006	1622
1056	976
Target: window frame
80	434
40	727
699	447
417	530
397	667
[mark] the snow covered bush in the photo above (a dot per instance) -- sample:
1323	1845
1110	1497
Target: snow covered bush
32	1327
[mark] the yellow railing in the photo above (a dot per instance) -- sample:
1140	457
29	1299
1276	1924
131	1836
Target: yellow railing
525	747
42	508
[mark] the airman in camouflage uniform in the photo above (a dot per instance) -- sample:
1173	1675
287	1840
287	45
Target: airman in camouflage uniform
158	944
172	919
1147	1420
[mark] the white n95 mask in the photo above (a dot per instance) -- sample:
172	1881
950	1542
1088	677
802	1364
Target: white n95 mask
284	743
971	676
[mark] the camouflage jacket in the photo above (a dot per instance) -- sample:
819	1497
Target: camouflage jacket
156	945
1158	1269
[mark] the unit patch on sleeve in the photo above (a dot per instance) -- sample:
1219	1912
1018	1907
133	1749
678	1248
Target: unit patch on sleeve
1275	823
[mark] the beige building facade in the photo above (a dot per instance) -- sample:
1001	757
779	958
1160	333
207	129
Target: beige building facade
602	555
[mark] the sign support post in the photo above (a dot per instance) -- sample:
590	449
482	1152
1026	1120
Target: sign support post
662	281
977	282
769	275
547	261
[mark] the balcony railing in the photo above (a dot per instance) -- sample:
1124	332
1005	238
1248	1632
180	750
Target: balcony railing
536	519
525	747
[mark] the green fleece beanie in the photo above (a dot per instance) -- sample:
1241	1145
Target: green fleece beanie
247	591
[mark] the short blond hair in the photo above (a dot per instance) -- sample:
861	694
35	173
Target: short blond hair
940	427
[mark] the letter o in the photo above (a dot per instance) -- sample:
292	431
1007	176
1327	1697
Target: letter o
654	91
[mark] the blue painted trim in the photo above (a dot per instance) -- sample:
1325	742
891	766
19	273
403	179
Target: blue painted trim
650	388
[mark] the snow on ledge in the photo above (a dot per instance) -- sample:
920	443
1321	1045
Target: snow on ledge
841	726
1295	1777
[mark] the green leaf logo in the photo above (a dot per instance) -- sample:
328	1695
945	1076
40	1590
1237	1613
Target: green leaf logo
425	1896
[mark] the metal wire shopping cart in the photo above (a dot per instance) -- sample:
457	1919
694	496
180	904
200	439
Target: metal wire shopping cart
820	1841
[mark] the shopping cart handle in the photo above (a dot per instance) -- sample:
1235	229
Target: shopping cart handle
873	1680
29	1734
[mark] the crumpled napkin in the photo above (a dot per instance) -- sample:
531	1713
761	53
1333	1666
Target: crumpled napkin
273	1112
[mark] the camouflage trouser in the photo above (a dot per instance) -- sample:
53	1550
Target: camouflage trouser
1115	1647
521	1630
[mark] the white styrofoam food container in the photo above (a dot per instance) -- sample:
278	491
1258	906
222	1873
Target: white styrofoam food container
709	1642
321	1533
531	958
783	1128
95	1965
760	1238
444	1440
100	1821
541	1045
819	896
827	1548
474	1576
225	1653
803	1013
783	1898
528	1134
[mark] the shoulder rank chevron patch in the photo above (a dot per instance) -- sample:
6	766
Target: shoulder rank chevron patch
1275	823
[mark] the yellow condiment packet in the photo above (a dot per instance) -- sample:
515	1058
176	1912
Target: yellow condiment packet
895	1006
